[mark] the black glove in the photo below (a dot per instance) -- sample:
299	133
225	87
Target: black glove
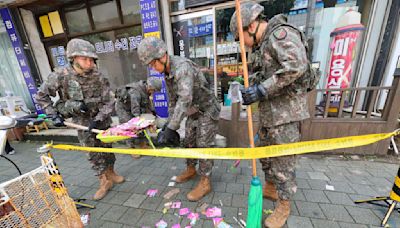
58	120
253	94
92	125
168	137
83	108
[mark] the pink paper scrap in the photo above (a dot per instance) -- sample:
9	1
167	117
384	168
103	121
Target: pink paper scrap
176	205
216	221
213	212
184	211
193	216
176	226
161	224
151	192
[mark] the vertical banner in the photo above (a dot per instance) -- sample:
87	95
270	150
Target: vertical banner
151	27
19	53
343	53
181	38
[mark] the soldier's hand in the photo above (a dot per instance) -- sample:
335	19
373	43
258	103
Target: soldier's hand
168	137
83	108
58	120
253	94
92	125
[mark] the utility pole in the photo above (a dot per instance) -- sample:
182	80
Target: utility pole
310	11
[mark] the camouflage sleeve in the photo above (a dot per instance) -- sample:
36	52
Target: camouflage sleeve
135	98
107	102
286	47
48	89
184	78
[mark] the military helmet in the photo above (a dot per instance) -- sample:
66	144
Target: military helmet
249	11
154	83
151	48
79	47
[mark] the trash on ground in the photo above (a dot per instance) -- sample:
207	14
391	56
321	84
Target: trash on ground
171	193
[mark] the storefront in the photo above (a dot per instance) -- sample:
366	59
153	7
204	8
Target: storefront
113	27
18	75
201	32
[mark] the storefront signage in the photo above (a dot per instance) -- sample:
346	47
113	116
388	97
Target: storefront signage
151	27
59	55
343	46
200	29
181	39
122	44
19	53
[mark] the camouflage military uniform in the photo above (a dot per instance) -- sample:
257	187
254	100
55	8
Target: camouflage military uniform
280	62
92	89
132	101
189	95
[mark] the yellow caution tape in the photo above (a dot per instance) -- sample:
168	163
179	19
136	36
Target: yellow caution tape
245	153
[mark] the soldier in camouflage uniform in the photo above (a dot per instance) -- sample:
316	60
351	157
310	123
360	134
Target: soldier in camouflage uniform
85	95
280	69
133	100
189	96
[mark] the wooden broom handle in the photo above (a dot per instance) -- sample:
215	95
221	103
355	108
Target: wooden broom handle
246	81
80	127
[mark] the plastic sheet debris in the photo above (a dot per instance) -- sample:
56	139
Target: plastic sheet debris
152	192
171	193
161	224
213	212
184	211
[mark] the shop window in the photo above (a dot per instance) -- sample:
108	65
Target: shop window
117	51
105	15
131	11
51	24
77	19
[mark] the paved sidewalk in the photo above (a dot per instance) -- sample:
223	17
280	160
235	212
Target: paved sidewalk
314	205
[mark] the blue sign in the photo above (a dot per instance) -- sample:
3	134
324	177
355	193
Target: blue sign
150	24
19	53
148	10
200	29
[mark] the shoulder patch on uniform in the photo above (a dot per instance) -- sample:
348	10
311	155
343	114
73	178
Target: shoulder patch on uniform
280	33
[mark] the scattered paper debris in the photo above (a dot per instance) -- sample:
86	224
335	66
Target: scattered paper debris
184	211
168	205
238	222
173	167
165	210
220	223
151	192
161	224
171	184
171	193
268	212
243	222
213	212
202	208
176	226
176	205
193	217
173	178
220	202
85	218
240	213
330	187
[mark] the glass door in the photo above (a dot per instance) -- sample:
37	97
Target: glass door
193	39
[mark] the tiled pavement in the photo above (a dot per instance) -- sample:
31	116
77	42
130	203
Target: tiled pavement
314	206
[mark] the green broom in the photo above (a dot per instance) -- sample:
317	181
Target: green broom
254	210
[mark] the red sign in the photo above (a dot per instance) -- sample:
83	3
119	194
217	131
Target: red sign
343	49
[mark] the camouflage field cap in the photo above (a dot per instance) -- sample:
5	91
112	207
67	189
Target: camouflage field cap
154	83
79	47
249	12
151	48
